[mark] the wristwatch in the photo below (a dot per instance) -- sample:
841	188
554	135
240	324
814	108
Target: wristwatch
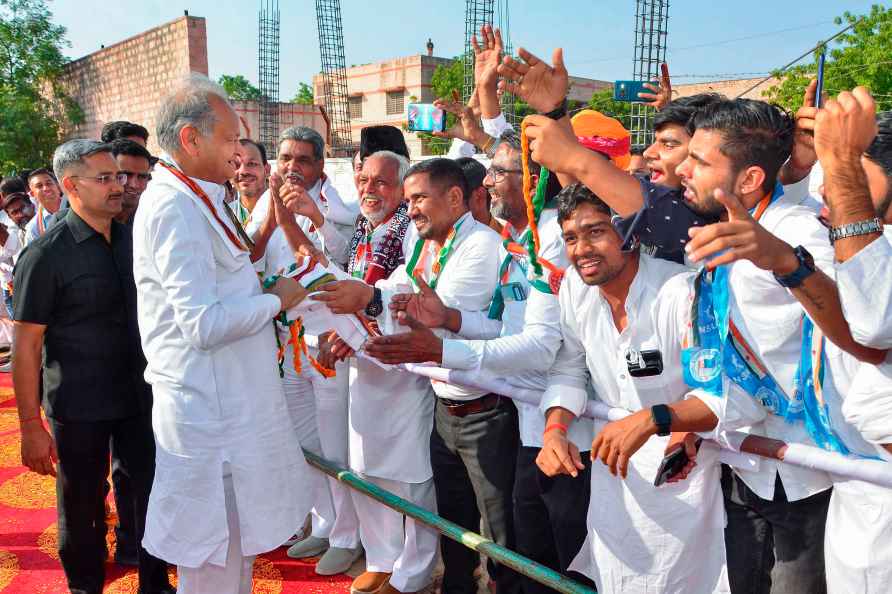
376	305
662	419
874	225
558	112
806	268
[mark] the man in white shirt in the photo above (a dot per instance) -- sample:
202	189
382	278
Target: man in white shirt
623	321
393	452
457	258
45	189
776	514
230	481
20	210
250	179
317	401
527	317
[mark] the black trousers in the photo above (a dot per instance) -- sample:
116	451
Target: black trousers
550	516
774	546
473	459
126	541
81	485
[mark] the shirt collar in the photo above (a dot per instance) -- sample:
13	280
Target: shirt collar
81	231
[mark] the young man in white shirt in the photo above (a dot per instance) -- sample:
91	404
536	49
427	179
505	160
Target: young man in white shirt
230	480
619	309
45	190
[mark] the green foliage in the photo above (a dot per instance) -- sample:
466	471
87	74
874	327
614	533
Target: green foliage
239	88
34	109
304	95
447	79
603	101
863	57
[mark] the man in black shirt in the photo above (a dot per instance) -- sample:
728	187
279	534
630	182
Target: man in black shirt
75	314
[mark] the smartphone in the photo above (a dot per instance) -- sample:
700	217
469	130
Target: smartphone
627	90
672	464
424	117
819	90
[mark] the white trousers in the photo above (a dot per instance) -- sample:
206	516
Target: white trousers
235	577
318	409
858	539
394	544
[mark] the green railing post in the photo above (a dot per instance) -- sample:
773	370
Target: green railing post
472	540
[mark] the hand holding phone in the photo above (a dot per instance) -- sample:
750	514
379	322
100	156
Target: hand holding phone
425	117
819	91
673	463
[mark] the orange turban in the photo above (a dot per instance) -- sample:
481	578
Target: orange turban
604	135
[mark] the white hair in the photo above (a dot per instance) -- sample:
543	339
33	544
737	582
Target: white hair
401	161
189	104
71	154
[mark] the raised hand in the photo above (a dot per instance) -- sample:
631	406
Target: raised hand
487	56
846	126
542	86
553	145
297	200
418	345
466	127
662	92
741	237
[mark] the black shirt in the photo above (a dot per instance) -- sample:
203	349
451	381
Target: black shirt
661	226
81	288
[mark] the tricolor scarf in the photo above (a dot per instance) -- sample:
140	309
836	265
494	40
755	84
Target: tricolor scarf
372	264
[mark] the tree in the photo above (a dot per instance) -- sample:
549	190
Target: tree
862	58
304	95
603	101
238	88
34	108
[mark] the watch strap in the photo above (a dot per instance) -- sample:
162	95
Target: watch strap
376	305
662	418
559	112
805	269
866	227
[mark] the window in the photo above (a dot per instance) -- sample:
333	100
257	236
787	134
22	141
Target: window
355	107
396	102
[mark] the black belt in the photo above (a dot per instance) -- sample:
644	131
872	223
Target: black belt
461	408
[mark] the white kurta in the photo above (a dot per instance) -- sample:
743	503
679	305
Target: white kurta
208	338
641	538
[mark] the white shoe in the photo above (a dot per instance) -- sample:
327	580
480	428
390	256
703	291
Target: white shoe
301	534
337	560
308	547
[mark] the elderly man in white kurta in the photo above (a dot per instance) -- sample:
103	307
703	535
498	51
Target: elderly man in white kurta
614	306
230	478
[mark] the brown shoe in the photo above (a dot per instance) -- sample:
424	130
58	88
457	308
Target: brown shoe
369	582
388	589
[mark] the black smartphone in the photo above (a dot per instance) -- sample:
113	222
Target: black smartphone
819	90
672	464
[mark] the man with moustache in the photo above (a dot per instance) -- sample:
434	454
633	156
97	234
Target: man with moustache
19	210
251	178
136	163
230	480
74	288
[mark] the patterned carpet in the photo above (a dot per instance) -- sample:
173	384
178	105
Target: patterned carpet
29	563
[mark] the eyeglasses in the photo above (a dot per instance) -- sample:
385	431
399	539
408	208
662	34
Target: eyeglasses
498	173
119	178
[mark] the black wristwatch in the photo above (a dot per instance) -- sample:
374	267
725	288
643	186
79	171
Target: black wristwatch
376	305
662	419
559	112
806	268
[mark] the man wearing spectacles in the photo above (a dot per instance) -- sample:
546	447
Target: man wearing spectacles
136	163
75	316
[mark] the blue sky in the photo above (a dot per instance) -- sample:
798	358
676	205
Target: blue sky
710	39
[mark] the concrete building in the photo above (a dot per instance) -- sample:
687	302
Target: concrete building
728	88
379	93
127	80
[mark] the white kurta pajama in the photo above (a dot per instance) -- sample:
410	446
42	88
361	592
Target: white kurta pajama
390	423
317	405
642	539
218	402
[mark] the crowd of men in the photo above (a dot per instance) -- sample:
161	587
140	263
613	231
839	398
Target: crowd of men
696	285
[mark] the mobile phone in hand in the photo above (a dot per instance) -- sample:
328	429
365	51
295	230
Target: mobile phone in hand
819	90
627	90
424	117
672	464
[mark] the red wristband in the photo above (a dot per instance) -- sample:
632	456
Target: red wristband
28	420
560	426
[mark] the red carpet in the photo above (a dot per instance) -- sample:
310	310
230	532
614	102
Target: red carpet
29	563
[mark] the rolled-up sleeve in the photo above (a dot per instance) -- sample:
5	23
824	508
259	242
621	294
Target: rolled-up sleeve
188	279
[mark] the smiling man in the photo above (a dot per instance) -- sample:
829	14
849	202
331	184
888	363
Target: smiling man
250	178
44	188
75	307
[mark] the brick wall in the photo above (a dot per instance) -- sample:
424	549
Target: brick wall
127	80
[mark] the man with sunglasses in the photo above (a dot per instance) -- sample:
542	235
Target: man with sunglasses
75	315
